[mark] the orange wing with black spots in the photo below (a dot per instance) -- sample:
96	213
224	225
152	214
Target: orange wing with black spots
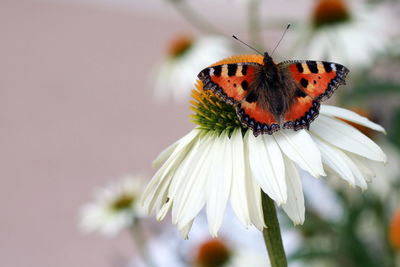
257	118
301	113
318	79
229	81
315	81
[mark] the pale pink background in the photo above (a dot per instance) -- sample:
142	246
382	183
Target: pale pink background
76	111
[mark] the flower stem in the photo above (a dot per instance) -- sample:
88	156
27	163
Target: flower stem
272	233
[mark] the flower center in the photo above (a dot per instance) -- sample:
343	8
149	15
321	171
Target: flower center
180	46
328	12
211	113
213	253
123	202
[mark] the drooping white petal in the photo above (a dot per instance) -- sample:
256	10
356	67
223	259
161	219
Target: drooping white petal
360	180
181	174
349	115
255	205
191	197
238	197
266	164
219	182
165	154
346	137
336	160
184	230
300	148
294	206
154	194
164	210
253	191
362	165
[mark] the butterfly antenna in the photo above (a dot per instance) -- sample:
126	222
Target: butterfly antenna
237	39
283	35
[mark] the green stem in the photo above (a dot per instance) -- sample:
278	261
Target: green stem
272	233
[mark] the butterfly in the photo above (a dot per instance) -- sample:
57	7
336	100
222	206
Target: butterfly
269	96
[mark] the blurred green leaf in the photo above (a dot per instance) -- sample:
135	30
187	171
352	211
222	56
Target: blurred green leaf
395	131
368	87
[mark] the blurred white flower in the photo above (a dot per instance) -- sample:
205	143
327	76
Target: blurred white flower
115	207
388	175
345	31
217	253
177	74
209	168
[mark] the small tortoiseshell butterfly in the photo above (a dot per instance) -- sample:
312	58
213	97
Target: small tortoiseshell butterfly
269	96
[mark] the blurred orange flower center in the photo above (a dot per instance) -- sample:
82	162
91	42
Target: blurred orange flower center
328	12
123	202
213	253
395	231
179	46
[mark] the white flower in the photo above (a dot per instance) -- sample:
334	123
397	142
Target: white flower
346	32
178	73
115	207
207	169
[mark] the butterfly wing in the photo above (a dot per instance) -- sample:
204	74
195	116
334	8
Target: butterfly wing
318	79
229	81
255	117
315	81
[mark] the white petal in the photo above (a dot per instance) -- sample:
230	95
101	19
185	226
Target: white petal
294	206
164	210
349	115
190	199
300	148
181	175
267	166
238	197
165	154
346	137
255	204
219	182
253	192
154	195
185	230
336	160
358	175
362	164
254	199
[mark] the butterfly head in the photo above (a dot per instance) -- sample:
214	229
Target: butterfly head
270	67
267	58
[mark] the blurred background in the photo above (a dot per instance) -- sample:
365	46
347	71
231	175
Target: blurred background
91	90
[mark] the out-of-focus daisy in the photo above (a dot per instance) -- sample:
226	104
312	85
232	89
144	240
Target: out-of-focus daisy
345	31
186	55
115	207
220	161
216	253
